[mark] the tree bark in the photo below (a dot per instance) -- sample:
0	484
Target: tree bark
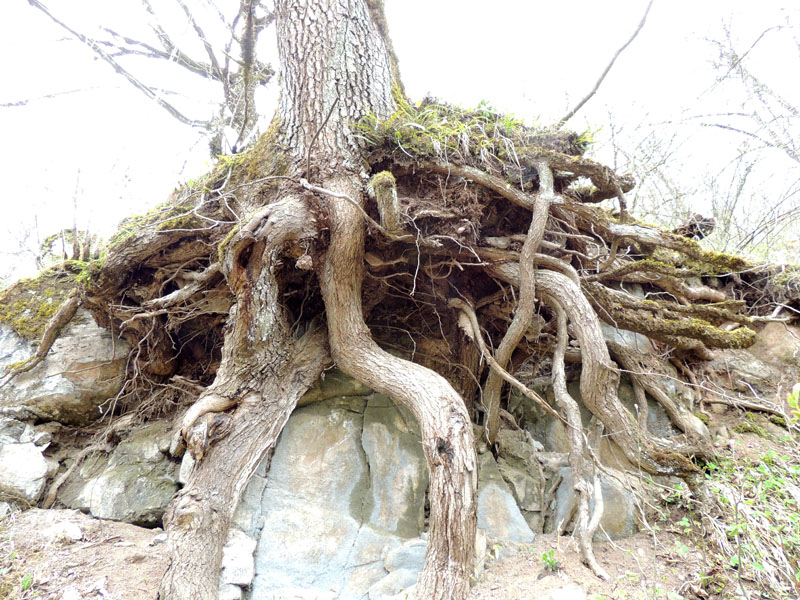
336	68
523	316
599	379
445	426
264	371
198	517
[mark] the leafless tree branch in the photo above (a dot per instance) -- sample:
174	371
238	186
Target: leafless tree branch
588	96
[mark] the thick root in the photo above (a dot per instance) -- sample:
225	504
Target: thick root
443	419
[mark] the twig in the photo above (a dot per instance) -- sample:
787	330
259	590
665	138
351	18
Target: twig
588	96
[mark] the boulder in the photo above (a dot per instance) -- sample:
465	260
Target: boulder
498	513
23	472
347	472
134	484
83	369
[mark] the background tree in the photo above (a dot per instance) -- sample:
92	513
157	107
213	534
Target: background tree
233	64
743	128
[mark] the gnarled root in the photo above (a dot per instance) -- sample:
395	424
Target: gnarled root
577	451
527	300
599	378
443	419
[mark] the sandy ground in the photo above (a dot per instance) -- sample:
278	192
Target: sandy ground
67	552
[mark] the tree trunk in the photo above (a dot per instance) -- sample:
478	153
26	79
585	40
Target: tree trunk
265	371
336	68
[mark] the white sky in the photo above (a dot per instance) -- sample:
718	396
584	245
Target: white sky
533	58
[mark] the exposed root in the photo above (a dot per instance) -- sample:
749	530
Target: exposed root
646	373
442	416
208	403
577	451
472	329
523	315
63	316
669	325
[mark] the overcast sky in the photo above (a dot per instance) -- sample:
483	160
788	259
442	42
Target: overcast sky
119	153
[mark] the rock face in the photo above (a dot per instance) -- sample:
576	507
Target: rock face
346	484
134	484
84	368
519	466
619	508
24	469
498	513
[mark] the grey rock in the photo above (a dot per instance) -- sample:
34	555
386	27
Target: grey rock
347	476
11	430
84	367
23	472
619	508
333	384
316	485
397	469
134	484
518	464
410	556
746	371
406	594
39	436
658	422
498	513
237	559
630	339
393	584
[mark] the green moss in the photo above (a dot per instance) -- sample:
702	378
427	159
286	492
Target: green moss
167	215
28	305
432	130
384	179
267	158
703	417
223	245
749	427
778	420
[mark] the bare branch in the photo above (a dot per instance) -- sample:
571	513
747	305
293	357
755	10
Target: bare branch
588	96
146	90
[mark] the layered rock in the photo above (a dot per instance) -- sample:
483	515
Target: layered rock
83	369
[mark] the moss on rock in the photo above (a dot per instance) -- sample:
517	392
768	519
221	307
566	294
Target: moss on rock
27	305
